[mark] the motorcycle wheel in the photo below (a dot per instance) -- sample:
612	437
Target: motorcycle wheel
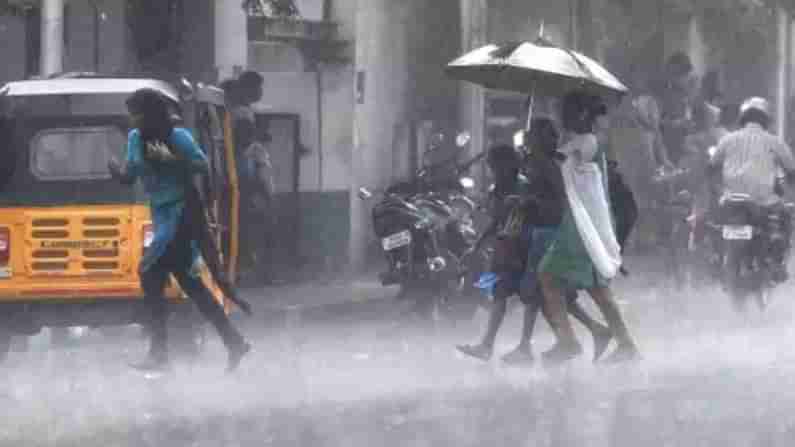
731	280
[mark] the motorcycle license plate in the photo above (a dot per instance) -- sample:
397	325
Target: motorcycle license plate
396	240
738	232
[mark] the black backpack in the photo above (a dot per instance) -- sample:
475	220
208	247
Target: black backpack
622	203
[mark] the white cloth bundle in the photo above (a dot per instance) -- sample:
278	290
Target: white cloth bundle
587	195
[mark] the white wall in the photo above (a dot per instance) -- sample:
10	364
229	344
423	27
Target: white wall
290	89
231	38
80	41
12	34
297	93
381	57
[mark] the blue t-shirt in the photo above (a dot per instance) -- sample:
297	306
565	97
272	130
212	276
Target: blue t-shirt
167	183
165	187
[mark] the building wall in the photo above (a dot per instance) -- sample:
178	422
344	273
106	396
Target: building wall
231	40
401	50
292	86
296	92
12	48
198	40
80	39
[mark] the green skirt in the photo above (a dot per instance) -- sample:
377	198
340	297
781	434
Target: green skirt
568	260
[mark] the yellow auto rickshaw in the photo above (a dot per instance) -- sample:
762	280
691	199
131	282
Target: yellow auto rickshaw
71	237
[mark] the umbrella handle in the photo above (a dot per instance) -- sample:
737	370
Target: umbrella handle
531	106
532	103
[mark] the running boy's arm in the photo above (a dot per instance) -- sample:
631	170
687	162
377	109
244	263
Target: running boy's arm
133	161
190	151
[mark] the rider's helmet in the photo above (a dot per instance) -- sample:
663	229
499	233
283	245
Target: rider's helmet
756	103
756	110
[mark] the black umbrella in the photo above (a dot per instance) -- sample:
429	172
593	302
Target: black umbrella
535	67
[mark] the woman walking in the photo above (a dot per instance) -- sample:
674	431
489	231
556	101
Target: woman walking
585	254
540	205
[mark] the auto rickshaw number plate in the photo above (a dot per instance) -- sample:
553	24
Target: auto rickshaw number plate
738	232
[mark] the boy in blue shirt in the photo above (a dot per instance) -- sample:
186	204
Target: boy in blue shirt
165	158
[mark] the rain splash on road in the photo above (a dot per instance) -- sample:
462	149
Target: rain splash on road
708	378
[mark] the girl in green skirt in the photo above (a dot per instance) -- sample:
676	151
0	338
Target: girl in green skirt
570	262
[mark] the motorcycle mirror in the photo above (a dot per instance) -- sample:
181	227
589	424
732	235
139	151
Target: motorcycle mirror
467	182
463	138
365	194
518	139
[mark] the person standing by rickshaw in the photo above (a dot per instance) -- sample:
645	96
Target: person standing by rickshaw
254	172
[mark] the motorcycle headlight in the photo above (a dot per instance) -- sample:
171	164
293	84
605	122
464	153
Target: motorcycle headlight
519	139
437	264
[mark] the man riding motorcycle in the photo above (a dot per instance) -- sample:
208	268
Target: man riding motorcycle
750	162
750	158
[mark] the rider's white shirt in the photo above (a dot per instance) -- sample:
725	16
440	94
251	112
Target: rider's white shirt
750	159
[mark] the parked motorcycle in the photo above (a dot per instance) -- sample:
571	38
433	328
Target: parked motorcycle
425	228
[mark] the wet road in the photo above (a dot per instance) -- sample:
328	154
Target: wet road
708	378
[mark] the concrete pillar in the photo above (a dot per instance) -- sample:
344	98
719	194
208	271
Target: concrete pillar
231	38
474	34
52	37
401	48
382	95
698	47
11	28
784	28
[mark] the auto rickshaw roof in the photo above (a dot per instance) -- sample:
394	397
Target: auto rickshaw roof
87	86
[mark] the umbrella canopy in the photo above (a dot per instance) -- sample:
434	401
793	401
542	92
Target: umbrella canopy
538	67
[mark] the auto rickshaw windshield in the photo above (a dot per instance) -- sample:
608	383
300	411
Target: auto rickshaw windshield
50	158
